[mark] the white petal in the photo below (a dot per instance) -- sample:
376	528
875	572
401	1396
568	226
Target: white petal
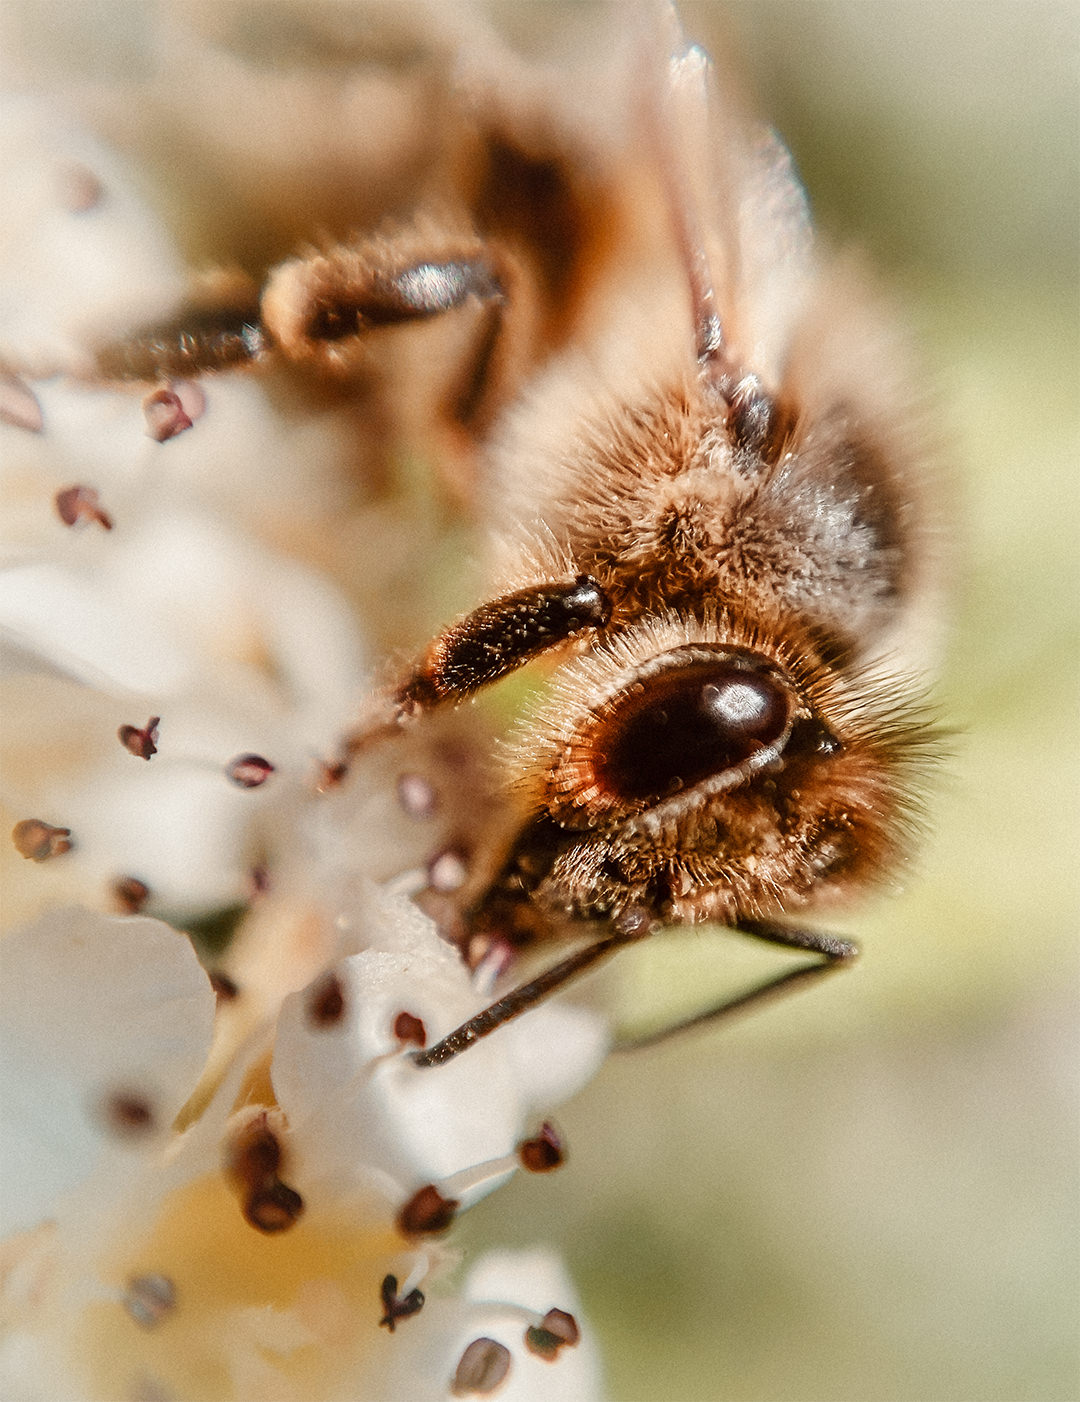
351	1111
556	1049
60	616
90	1006
504	1293
67	273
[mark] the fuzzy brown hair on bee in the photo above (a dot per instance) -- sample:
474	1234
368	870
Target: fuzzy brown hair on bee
706	490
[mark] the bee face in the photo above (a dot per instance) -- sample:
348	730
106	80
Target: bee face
711	770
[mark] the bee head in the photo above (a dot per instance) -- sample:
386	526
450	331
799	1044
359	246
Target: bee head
715	771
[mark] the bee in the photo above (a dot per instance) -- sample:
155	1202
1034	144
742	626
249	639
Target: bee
705	485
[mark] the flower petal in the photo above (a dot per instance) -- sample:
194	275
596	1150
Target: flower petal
352	1095
504	1294
80	250
105	1024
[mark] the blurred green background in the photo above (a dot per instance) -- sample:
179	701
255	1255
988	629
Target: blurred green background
870	1192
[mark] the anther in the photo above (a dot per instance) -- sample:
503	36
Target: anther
79	505
255	1153
253	1161
130	894
543	1153
556	1330
224	987
446	870
273	1207
39	841
78	188
427	1213
417	796
481	1368
326	1002
249	771
259	880
397	1307
409	1030
128	1114
165	415
141	743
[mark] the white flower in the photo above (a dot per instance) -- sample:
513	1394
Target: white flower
483	1337
240	1195
149	1259
351	1095
107	1025
79	251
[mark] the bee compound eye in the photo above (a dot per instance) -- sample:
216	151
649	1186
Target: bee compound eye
687	725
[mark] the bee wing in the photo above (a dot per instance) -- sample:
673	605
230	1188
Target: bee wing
774	239
740	211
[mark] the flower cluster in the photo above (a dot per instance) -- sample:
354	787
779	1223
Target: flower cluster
224	1176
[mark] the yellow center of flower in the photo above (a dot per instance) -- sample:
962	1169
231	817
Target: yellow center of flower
208	1309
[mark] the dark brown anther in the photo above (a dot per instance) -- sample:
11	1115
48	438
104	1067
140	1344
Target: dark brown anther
130	894
481	1368
394	1307
128	1114
225	987
545	1152
141	743
78	506
252	1163
563	1325
447	871
273	1207
501	636
326	1002
417	796
427	1213
409	1030
38	841
165	415
19	405
249	771
555	1331
149	1299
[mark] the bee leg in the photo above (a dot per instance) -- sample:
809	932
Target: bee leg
519	1000
499	637
835	954
311	305
199	340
